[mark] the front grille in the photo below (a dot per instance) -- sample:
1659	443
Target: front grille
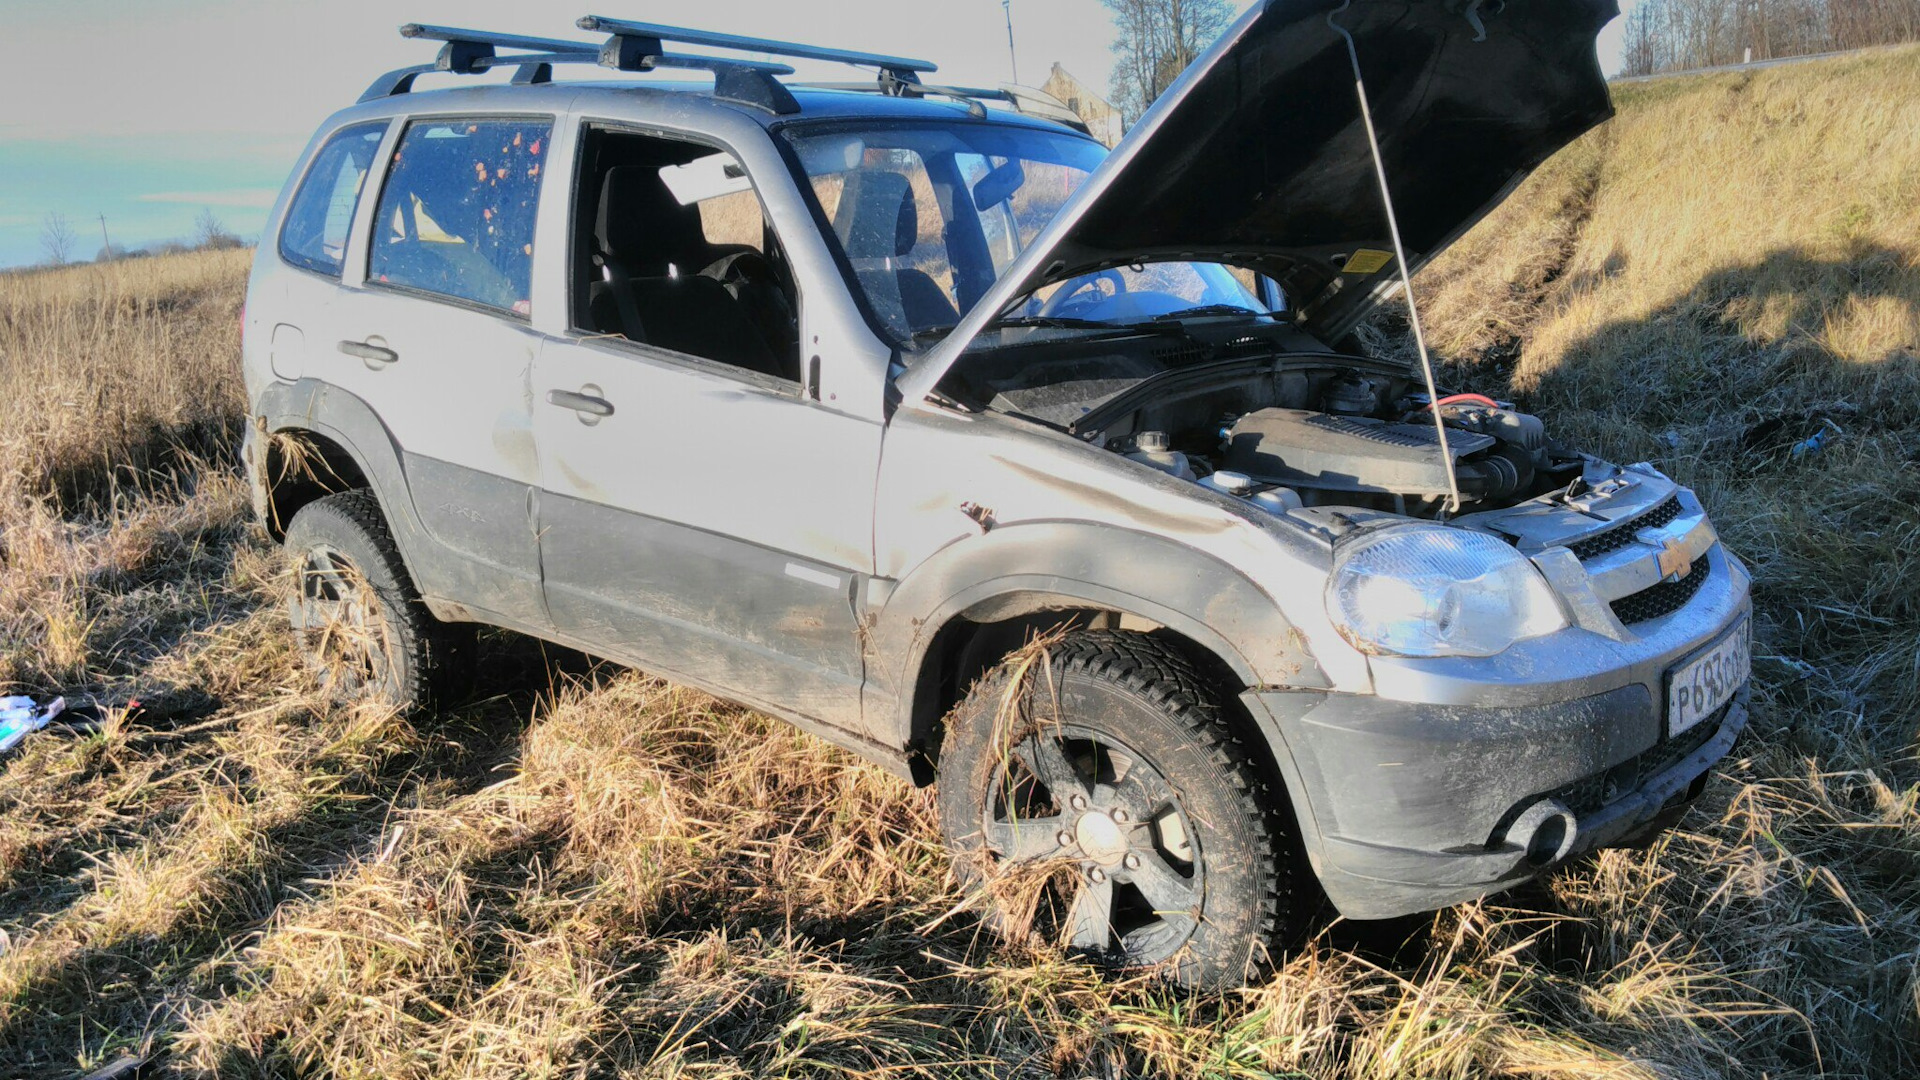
1618	536
1662	599
1588	794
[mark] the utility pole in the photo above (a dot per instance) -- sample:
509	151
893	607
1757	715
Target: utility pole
106	245
1012	58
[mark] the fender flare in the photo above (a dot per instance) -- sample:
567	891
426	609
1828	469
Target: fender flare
1037	566
350	423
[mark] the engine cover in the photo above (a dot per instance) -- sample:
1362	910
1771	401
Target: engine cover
1303	449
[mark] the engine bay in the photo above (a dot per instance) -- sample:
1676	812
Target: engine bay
1272	416
1341	437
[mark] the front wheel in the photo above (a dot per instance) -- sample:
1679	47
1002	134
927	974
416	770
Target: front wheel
1105	763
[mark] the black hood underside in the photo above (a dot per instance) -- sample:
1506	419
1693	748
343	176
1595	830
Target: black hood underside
1258	155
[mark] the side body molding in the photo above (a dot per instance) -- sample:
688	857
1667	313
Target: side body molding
1037	566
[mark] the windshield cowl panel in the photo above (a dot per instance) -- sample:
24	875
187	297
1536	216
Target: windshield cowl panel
1058	378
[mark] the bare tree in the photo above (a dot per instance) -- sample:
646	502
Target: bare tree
57	239
1640	50
1155	40
210	233
1670	35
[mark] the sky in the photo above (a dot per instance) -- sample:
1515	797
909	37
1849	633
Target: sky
202	105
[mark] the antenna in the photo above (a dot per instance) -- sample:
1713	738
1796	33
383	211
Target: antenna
1400	256
1012	57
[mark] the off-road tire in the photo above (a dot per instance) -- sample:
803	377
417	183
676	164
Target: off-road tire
427	664
1256	891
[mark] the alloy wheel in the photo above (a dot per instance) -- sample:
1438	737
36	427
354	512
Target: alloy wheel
1066	793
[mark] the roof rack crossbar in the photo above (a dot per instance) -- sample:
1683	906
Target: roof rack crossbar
487	37
464	48
643	37
1025	100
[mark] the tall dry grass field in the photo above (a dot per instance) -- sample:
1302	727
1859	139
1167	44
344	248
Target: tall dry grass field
586	872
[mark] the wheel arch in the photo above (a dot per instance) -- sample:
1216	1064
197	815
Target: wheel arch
965	609
300	465
317	435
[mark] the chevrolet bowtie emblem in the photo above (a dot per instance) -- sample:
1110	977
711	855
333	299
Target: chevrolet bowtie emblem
1675	563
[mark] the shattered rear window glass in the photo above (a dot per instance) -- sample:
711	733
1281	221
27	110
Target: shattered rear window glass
457	215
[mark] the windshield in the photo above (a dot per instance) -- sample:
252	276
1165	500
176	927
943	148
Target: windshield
929	215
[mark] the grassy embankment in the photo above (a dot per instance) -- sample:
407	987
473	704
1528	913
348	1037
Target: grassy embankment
587	872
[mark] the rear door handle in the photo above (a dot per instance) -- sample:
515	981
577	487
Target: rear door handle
586	401
373	350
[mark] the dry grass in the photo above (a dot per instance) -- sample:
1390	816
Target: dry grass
589	873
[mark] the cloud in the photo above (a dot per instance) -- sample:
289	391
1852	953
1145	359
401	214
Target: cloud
249	198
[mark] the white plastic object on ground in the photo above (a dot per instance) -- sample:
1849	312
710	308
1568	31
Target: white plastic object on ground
21	716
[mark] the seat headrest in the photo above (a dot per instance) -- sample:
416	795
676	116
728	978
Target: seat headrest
643	226
877	217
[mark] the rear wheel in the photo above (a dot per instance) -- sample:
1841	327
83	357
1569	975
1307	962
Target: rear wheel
360	625
1102	772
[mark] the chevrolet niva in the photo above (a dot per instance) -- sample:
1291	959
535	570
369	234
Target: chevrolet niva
911	414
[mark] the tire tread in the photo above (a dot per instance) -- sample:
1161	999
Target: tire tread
437	653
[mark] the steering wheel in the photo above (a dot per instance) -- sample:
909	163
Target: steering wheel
1068	298
758	285
749	268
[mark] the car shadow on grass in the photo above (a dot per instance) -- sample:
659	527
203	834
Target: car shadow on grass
162	460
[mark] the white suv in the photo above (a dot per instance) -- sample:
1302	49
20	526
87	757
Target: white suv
831	399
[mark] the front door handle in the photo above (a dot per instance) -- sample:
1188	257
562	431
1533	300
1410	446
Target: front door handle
373	350
586	401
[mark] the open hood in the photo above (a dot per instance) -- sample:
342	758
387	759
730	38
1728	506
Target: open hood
1258	155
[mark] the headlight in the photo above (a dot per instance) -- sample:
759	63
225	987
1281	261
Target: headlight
1429	590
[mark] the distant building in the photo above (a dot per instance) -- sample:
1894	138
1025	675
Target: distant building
1099	114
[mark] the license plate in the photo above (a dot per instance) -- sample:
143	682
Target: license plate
1697	688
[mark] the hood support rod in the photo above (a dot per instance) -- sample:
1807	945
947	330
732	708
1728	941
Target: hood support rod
1400	257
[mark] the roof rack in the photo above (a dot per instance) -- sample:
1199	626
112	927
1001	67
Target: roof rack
468	52
641	39
1025	100
641	46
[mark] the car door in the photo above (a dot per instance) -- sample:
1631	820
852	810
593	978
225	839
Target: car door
437	339
700	514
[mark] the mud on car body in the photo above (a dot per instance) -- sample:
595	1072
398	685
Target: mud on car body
908	413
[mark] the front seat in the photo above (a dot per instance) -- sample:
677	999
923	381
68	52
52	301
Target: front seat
651	289
643	229
878	223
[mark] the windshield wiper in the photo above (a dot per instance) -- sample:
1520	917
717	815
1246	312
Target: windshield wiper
1051	321
1205	310
1060	321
